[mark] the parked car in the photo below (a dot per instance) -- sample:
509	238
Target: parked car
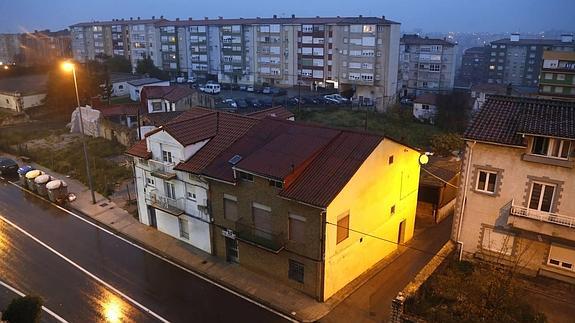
250	88
243	87
191	79
241	103
8	166
337	97
266	102
330	100
231	102
406	101
253	102
267	90
278	92
213	88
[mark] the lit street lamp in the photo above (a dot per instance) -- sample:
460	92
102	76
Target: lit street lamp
68	66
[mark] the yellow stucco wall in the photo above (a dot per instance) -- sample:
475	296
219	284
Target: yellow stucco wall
368	197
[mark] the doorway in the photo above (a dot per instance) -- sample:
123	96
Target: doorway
401	233
232	254
152	217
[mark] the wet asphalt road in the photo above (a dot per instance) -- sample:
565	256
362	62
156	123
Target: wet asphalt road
170	292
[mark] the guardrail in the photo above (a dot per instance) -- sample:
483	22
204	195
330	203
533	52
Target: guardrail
549	217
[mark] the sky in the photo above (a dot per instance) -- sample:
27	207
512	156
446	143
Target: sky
428	15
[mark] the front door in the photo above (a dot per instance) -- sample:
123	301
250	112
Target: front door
401	234
152	217
232	254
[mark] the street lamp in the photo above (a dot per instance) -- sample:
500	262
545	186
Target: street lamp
69	66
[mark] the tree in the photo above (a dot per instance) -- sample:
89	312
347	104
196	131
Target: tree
118	64
146	66
453	111
23	310
443	144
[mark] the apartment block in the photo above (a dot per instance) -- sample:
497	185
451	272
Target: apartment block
131	38
516	204
427	65
9	48
35	48
473	69
518	61
557	76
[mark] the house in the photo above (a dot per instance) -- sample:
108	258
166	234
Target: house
119	82
135	86
425	107
438	183
18	94
312	207
517	200
168	98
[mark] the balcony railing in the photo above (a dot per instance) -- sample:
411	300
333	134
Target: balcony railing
167	204
549	217
270	241
162	170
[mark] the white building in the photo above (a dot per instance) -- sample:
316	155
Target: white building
119	82
425	107
135	86
20	93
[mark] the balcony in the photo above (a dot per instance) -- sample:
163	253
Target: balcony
551	224
270	241
162	170
173	206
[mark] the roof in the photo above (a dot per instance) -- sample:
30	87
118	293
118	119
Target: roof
140	149
230	127
123	77
411	39
144	81
559	55
532	41
204	126
314	162
503	120
161	118
280	20
476	50
29	84
426	98
278	112
117	22
446	168
119	109
171	93
491	88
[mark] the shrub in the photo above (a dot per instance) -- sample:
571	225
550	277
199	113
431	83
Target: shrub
25	309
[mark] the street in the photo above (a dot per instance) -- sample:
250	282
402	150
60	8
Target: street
84	274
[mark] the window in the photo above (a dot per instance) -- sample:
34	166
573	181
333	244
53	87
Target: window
262	220
392	210
390	160
150	181
343	228
560	77
246	177
296	271
296	228
184	228
551	147
425	106
546	88
167	156
278	184
541	197
548	76
497	241
230	207
561	257
486	181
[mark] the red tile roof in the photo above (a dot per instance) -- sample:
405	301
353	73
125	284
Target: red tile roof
130	109
139	149
426	98
171	93
187	132
314	162
277	112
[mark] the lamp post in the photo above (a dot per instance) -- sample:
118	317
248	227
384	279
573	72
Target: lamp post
68	66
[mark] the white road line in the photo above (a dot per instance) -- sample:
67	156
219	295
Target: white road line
96	278
47	310
204	278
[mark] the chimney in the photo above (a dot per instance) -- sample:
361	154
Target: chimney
567	38
383	17
161	17
131	18
220	17
275	16
360	16
514	37
293	16
509	89
205	18
190	18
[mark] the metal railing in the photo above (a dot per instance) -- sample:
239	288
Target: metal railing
171	205
163	169
549	217
271	241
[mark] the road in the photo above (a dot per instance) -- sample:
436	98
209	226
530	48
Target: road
85	274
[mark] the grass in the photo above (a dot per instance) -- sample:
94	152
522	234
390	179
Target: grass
397	124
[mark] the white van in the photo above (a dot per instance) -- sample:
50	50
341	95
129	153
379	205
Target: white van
211	88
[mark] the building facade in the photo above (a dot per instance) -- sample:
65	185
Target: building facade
518	61
35	48
557	76
427	65
473	67
516	204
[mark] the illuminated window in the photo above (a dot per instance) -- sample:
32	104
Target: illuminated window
343	228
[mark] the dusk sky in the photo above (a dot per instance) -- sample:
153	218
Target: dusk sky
429	15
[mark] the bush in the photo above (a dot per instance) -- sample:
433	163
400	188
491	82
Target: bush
444	144
25	309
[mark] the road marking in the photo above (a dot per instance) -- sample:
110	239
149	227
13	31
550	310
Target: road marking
47	310
96	278
202	277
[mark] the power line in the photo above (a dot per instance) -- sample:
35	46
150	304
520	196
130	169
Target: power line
439	178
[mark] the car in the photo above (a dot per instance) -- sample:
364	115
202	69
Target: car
191	79
336	97
330	100
8	166
250	88
243	87
231	103
241	103
266	102
267	90
278	92
253	102
406	101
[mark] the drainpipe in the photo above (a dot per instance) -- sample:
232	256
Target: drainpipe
463	200
321	271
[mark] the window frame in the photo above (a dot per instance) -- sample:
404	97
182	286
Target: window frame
488	175
550	149
302	220
541	196
344	235
184	234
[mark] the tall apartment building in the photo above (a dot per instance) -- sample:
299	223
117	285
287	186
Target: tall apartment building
518	61
473	67
427	65
557	76
133	39
516	205
9	48
35	48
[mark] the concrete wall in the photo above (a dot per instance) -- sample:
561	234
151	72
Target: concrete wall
368	198
425	115
18	103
